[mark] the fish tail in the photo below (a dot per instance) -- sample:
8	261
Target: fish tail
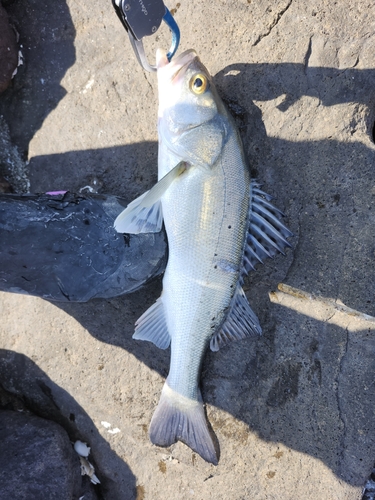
178	418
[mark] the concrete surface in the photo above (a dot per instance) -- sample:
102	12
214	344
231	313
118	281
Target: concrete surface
293	411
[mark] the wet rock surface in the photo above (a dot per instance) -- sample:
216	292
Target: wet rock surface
292	410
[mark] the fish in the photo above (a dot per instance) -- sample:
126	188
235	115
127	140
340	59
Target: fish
220	224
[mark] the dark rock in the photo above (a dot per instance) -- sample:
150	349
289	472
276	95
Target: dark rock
5	187
25	388
37	460
12	168
64	247
8	50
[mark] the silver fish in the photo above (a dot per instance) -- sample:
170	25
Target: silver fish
219	226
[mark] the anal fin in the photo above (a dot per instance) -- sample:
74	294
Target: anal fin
152	326
241	322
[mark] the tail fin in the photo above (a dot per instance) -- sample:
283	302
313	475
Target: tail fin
178	418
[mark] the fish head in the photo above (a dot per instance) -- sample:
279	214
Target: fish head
191	114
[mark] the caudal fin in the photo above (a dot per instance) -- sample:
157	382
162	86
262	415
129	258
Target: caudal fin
178	418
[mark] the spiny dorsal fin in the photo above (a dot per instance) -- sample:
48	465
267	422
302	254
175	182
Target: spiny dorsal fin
266	234
152	326
241	322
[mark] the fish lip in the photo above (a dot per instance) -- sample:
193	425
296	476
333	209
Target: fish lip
172	70
186	57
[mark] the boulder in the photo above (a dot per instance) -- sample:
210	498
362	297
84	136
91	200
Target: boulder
8	50
37	460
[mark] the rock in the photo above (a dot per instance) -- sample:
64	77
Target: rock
37	460
5	187
64	247
25	388
8	50
292	410
12	168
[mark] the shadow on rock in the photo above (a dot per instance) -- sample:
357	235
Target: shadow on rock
267	81
305	383
46	40
35	391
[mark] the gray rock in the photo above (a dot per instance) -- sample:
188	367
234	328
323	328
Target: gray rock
52	31
5	187
37	460
12	167
25	388
8	50
64	247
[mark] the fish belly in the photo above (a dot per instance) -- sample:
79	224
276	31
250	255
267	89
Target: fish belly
205	214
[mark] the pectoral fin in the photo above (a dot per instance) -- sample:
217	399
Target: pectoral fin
144	214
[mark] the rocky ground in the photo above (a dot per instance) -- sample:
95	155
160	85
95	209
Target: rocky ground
293	411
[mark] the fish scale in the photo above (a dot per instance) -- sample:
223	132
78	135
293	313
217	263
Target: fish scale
219	224
202	289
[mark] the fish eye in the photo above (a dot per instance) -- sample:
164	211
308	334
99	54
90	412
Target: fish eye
198	83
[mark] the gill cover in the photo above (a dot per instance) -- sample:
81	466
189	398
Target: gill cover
190	124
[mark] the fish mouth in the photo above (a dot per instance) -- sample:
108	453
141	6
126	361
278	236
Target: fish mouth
172	70
185	58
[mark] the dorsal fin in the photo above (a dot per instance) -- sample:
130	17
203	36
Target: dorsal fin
266	236
266	233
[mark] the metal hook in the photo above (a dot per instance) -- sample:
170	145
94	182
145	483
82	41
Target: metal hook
140	51
175	30
142	20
